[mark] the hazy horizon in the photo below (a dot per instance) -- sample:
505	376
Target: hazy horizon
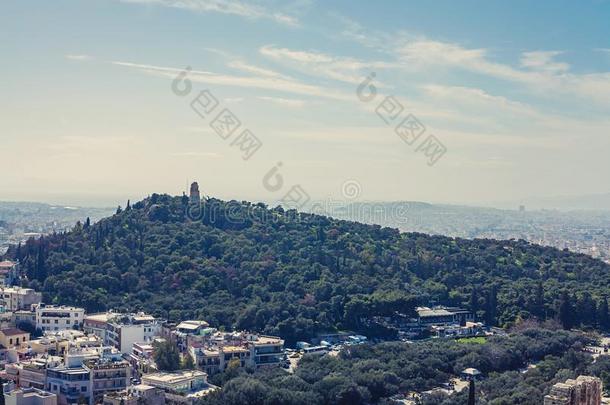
560	203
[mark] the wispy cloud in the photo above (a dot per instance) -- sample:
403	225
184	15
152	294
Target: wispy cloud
348	70
543	74
80	57
233	7
478	98
288	102
264	82
246	67
544	61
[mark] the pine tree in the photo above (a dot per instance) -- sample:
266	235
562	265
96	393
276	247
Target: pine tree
491	307
19	253
585	311
538	310
128	207
474	301
41	271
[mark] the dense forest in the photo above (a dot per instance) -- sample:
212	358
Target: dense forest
243	265
373	373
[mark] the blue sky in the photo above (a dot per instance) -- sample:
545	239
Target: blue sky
517	92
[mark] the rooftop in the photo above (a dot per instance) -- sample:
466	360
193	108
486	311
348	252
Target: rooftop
99	317
59	308
30	392
173	378
12	331
17	289
192	325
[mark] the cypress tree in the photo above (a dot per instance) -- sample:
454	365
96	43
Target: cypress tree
565	311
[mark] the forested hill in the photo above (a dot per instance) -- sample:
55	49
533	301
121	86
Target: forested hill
290	274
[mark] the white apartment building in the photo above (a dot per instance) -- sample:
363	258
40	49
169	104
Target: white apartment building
17	298
54	318
123	330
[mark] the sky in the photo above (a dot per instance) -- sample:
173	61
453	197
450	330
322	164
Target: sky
500	101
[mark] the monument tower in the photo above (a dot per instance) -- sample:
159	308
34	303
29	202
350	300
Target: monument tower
195	197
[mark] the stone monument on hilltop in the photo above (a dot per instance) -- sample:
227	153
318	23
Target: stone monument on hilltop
195	197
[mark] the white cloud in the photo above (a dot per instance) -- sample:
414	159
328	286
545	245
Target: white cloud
543	61
425	53
267	83
288	102
544	75
477	98
234	7
348	70
245	67
80	57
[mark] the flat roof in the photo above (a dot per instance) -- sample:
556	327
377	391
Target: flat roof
234	349
99	317
262	339
192	324
173	378
433	312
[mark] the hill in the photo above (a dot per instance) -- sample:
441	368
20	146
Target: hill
243	265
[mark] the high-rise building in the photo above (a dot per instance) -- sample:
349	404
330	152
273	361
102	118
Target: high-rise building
195	197
584	390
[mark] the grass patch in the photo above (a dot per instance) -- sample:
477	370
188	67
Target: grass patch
478	340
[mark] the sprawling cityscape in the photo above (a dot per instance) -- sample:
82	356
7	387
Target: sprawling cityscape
304	202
